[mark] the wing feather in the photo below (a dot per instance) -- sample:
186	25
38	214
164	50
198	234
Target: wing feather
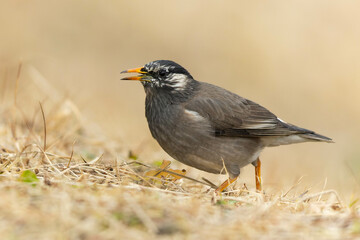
234	116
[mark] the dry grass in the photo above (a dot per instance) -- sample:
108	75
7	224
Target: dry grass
88	188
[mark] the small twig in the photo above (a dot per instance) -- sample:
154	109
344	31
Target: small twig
301	195
44	121
83	159
17	82
322	193
72	153
98	170
95	160
293	186
323	189
189	178
134	162
209	182
116	167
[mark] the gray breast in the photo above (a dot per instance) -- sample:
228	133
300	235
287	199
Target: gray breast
189	138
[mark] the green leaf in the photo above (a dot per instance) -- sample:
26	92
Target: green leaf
158	163
220	202
132	155
28	176
353	202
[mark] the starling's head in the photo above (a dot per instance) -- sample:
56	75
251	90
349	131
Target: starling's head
163	74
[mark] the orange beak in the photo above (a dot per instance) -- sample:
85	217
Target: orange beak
140	70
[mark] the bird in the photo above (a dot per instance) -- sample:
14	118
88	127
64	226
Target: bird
210	128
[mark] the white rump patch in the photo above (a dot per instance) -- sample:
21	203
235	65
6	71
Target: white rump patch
194	115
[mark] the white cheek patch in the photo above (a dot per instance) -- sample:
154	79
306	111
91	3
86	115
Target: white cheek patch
178	82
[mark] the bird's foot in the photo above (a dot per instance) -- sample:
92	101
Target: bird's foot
224	185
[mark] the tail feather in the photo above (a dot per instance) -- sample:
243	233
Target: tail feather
306	133
317	137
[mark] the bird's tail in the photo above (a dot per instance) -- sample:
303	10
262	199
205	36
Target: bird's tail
316	137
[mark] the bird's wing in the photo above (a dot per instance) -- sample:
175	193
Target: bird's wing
233	116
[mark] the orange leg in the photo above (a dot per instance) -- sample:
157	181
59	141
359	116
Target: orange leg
225	184
258	176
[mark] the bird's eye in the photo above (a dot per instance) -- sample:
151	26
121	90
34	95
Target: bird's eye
162	72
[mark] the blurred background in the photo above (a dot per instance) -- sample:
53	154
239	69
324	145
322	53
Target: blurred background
300	59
